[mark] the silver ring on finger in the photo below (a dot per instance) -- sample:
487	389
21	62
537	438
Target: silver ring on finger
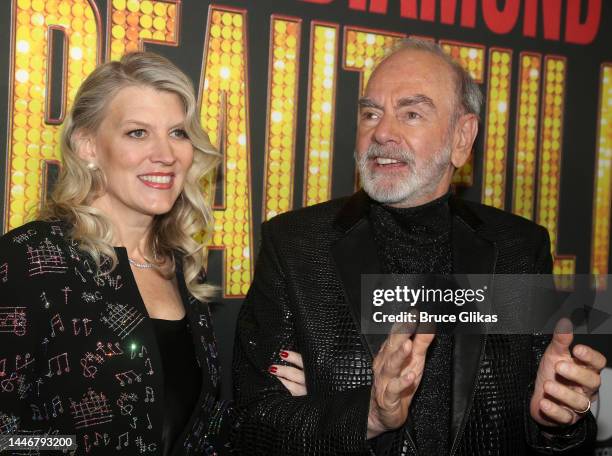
586	410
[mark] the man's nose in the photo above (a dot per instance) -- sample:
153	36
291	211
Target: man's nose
387	130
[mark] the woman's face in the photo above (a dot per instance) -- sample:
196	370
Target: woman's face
143	150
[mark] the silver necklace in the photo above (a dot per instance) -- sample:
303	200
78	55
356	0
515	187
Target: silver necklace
145	265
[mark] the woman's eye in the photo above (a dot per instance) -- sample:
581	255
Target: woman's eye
139	133
179	133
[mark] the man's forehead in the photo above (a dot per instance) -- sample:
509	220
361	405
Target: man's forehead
405	92
409	74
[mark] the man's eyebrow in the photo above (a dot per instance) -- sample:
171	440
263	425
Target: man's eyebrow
365	102
416	100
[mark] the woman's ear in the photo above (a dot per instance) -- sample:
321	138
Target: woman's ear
85	146
466	130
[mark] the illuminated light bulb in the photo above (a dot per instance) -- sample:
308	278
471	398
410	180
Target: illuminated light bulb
23	46
76	53
277	116
22	76
225	72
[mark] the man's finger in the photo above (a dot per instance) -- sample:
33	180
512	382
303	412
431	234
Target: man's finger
562	337
590	357
567	396
578	374
399	333
395	360
555	412
404	327
421	343
396	387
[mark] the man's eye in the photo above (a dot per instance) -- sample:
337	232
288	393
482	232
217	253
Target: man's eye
369	115
411	115
139	133
179	133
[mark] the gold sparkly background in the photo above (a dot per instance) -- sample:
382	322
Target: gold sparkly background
304	58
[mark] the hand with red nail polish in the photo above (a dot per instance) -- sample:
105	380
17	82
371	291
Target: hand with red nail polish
291	376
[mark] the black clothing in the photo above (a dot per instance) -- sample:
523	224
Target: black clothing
306	296
81	355
416	240
413	240
182	377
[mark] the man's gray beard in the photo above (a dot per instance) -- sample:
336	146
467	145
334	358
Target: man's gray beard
421	182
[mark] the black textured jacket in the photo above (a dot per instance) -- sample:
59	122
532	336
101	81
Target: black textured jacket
306	297
79	356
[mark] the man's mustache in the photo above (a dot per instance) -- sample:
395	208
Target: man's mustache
392	152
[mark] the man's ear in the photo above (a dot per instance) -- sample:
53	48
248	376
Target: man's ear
85	146
466	130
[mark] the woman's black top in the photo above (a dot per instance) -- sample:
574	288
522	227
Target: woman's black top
182	377
79	354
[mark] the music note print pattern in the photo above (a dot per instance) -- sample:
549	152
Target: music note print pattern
78	354
93	409
45	258
121	319
13	320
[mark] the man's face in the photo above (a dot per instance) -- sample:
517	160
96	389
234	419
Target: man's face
405	135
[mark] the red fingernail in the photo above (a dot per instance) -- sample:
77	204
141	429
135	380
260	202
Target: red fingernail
284	354
272	369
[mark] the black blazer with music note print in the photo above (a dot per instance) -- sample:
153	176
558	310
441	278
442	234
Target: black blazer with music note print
78	353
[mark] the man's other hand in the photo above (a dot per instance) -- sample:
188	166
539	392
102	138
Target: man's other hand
567	381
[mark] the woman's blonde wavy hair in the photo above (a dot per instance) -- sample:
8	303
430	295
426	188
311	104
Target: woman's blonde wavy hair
78	186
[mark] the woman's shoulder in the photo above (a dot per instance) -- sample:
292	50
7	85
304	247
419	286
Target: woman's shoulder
34	235
35	229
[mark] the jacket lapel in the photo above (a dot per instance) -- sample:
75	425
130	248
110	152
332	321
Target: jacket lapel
472	254
355	254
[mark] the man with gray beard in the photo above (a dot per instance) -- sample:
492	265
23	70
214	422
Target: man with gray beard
418	393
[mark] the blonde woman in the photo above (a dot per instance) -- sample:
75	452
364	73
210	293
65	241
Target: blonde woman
105	331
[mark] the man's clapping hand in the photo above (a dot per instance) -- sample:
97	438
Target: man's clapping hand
398	369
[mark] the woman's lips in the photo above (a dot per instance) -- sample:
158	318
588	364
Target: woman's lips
161	181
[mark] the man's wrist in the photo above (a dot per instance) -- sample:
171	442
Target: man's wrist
375	427
564	430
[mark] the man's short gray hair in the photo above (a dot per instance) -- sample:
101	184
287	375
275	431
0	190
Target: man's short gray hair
469	95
